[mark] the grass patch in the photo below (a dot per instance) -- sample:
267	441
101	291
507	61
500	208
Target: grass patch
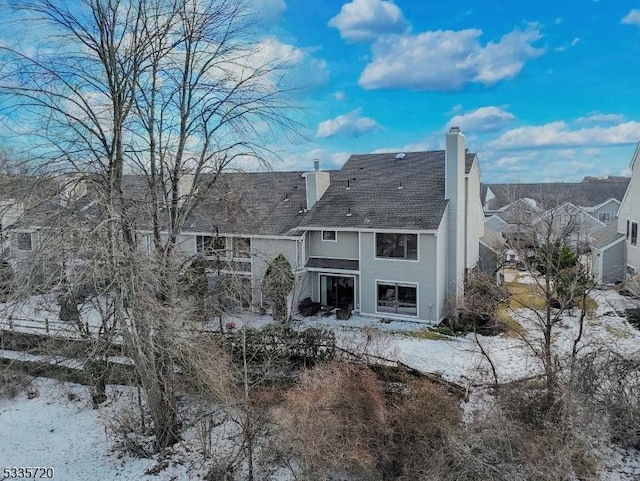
430	335
527	296
513	327
617	332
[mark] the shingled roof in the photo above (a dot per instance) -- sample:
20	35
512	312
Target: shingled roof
385	192
551	194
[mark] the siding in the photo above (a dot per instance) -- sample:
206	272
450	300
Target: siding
610	207
265	250
475	217
629	210
423	272
610	264
345	247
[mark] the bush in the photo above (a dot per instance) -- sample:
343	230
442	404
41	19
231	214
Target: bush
335	420
13	383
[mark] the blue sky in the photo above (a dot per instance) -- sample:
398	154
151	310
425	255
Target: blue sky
544	91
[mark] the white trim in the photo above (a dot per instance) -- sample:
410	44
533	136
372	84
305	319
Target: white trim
402	284
335	235
403	259
497	217
186	232
602	204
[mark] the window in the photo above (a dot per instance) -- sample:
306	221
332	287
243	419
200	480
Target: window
24	241
397	299
211	246
604	217
241	247
397	246
329	235
634	233
628	229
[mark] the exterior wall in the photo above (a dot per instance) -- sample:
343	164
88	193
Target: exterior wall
488	260
423	272
442	245
611	207
455	193
344	247
263	251
629	211
474	217
495	223
609	264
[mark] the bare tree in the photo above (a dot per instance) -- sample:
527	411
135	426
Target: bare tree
174	92
547	247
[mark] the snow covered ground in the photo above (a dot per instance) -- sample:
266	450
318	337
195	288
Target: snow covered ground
59	428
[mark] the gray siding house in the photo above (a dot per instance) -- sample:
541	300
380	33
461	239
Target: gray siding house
628	221
391	235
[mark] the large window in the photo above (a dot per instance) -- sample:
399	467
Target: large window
634	233
397	246
397	298
211	246
241	248
24	241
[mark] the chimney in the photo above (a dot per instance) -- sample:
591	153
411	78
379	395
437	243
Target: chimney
455	194
185	184
317	183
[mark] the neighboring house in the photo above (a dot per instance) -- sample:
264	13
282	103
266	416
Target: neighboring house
628	221
392	234
590	206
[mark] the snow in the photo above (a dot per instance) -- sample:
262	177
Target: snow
52	430
59	429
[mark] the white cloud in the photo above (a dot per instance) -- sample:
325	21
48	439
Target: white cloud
559	134
351	124
365	20
269	10
632	18
340	96
484	119
448	60
602	118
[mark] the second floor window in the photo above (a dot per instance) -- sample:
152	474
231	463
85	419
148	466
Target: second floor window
634	233
241	247
397	246
605	217
211	246
24	241
329	235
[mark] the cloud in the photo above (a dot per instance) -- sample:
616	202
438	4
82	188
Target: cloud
446	60
573	43
303	68
351	124
366	20
484	119
632	18
559	134
601	118
340	95
269	10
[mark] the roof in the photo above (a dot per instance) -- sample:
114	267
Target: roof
548	195
606	236
385	192
242	203
323	263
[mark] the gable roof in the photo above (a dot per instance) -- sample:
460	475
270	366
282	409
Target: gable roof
606	236
552	194
385	192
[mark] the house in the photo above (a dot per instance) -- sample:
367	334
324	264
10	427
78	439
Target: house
585	210
627	225
393	234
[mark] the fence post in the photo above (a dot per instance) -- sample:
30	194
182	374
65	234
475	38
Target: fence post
46	325
11	323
